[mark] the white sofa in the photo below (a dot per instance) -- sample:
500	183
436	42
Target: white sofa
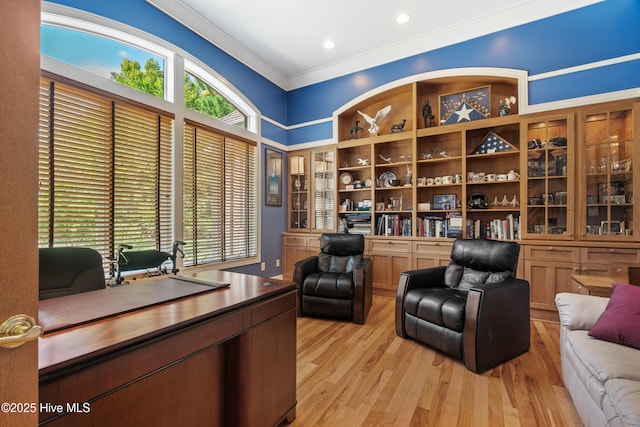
602	378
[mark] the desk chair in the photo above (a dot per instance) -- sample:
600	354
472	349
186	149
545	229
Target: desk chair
69	270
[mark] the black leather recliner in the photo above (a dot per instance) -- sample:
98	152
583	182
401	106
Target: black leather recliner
337	282
69	270
474	310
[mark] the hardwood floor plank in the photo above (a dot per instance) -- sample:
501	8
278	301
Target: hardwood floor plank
365	375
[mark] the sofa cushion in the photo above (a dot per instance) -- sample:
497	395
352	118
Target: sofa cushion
597	362
329	285
444	307
620	322
623	401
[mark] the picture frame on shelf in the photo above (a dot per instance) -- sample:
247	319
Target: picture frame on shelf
444	201
273	170
612	227
594	229
468	105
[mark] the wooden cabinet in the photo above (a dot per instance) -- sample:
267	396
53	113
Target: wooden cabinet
416	181
389	257
561	183
296	247
608	261
428	254
312	184
609	143
548	189
548	270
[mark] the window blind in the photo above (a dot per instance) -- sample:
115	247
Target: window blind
105	172
220	197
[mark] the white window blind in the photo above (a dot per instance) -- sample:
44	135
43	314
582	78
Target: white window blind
105	172
220	197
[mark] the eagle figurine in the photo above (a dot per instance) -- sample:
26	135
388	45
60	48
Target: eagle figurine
374	122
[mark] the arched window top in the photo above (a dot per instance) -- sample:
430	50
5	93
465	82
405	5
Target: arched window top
99	46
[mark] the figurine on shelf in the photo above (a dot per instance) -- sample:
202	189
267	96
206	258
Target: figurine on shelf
386	159
427	114
355	129
374	122
505	105
441	153
362	161
408	176
399	127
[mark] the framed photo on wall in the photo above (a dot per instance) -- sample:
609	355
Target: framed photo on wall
273	178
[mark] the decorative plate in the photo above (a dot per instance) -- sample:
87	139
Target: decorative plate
386	178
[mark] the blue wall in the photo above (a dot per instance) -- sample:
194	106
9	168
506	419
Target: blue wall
599	32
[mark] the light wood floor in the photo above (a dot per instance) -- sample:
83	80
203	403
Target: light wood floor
365	375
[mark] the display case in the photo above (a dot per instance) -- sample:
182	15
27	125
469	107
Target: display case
299	192
609	145
549	187
312	189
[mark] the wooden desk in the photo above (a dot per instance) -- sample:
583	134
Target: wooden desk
218	358
593	285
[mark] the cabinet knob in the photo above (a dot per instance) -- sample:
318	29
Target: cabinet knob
584	269
611	251
576	269
618	270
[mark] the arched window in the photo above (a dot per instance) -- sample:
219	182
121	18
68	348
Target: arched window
107	171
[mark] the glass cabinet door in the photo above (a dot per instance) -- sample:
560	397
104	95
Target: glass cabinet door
608	154
324	186
298	193
549	181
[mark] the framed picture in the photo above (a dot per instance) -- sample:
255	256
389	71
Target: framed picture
469	105
612	227
594	229
273	172
444	201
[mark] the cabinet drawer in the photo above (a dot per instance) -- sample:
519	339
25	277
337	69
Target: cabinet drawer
386	245
294	240
313	243
439	249
609	255
552	253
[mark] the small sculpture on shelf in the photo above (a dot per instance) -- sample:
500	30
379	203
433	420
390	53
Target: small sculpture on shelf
355	129
505	105
427	114
399	127
374	122
362	161
386	159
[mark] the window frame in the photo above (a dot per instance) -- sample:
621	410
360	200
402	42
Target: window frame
177	62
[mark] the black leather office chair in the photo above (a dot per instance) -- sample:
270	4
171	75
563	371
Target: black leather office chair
337	282
474	310
69	270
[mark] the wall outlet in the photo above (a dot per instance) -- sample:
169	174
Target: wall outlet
263	266
278	262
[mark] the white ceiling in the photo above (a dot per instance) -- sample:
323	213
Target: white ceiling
282	39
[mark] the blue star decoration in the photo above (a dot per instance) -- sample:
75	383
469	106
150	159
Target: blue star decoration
493	143
464	113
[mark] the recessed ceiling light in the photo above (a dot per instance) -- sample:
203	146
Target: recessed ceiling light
329	44
403	18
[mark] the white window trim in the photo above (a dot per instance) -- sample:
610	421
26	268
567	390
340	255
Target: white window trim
176	63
